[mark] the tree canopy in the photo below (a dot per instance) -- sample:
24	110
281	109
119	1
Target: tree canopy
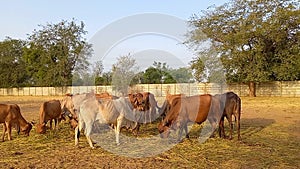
256	41
12	72
55	51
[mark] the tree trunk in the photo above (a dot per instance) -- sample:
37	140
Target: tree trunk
252	89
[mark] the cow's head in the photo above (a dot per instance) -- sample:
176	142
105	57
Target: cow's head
68	106
164	129
73	123
26	129
41	128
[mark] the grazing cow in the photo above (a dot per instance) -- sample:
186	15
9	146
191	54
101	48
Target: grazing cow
231	105
145	103
117	113
71	103
10	115
196	109
49	110
167	103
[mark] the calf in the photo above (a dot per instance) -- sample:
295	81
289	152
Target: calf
10	115
50	110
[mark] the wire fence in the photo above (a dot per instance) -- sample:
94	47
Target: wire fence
277	88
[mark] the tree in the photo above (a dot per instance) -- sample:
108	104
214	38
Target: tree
181	75
197	67
123	72
55	52
158	73
257	41
12	66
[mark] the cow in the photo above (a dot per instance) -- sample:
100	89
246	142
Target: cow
145	103
49	110
105	95
231	105
195	109
10	115
118	113
167	103
71	103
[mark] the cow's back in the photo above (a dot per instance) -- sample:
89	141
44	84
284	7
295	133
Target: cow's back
197	107
4	110
50	110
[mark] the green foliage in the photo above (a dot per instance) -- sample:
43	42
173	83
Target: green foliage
12	66
197	67
256	40
55	52
161	73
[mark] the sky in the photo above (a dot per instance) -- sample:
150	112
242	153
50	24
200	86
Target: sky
120	20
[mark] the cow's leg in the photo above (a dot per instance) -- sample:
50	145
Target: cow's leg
50	124
55	124
8	125
4	131
186	131
77	132
145	116
221	128
77	135
88	133
214	124
118	129
229	118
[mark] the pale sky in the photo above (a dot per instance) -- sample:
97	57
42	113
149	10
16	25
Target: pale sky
19	18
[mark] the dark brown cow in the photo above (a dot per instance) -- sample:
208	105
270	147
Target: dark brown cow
231	103
10	115
190	109
50	110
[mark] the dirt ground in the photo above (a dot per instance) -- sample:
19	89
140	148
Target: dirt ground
270	130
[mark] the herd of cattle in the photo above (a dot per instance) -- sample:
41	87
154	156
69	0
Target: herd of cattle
84	110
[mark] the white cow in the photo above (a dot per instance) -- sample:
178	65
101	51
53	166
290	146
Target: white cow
117	112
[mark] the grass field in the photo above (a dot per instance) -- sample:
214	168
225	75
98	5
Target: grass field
270	131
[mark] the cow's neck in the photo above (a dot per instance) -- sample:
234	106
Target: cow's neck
22	122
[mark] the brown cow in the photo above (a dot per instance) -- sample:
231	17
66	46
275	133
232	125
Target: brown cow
196	109
231	105
10	115
49	110
167	103
105	95
146	103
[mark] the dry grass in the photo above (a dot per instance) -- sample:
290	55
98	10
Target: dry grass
270	133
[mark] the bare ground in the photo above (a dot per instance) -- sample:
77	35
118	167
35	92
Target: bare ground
270	130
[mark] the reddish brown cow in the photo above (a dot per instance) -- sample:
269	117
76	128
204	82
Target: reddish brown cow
144	102
10	115
168	102
190	109
231	105
105	95
50	110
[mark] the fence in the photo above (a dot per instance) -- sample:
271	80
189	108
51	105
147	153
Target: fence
286	89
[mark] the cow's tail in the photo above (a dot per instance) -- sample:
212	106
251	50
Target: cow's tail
238	115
